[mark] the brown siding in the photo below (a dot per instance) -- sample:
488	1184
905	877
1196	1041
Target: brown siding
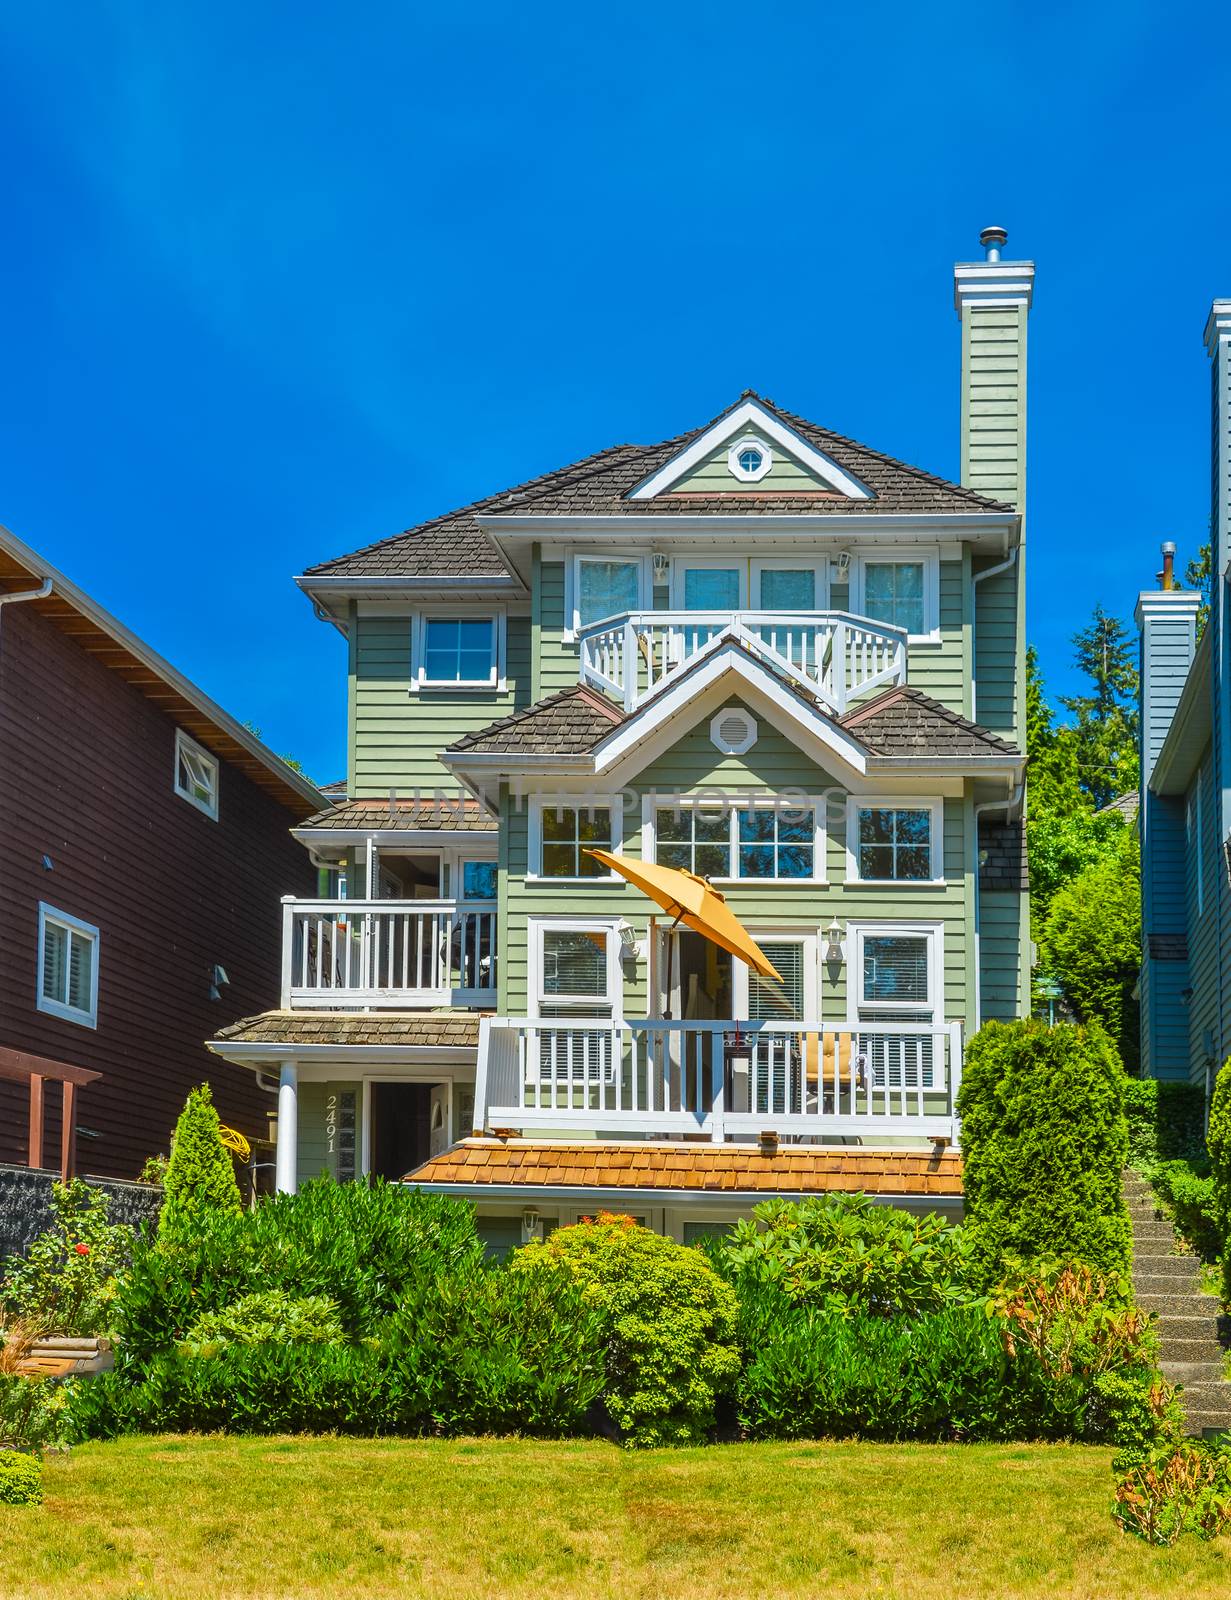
86	778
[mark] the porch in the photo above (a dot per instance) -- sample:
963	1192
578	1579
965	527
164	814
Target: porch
720	1080
832	654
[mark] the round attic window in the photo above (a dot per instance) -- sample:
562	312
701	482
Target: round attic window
749	459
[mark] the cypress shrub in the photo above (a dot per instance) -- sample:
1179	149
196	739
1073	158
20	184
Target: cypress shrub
1219	1141
1044	1141
200	1175
1166	1120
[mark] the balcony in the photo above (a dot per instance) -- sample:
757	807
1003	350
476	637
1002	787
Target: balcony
722	1080
387	954
832	654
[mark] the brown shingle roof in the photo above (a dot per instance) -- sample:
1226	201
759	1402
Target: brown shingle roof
717	1169
452	1029
906	722
454	544
462	815
571	722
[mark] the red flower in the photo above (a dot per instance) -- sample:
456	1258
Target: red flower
82	1249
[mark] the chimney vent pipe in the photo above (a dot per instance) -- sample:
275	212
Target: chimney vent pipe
992	239
1168	573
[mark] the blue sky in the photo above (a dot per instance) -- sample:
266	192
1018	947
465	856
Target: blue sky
281	280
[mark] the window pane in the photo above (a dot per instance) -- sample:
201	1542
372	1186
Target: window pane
474	666
559	824
594	827
475	635
914	861
574	963
756	861
795	861
914	827
769	1001
674	825
606	588
876	827
784	589
80	971
893	592
674	855
895	968
713	861
55	962
587	867
712	825
458	650
479	880
756	825
560	861
796	827
711	588
876	861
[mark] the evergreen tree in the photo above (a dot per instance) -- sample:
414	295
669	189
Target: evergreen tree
1198	574
200	1176
1106	730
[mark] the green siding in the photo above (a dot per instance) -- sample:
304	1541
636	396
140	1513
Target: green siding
712	476
994	401
1002	955
396	734
314	1158
557	661
940	669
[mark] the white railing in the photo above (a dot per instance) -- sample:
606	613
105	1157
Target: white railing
387	953
834	654
724	1079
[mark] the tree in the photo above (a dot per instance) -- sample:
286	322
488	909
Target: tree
200	1176
1198	574
1051	752
1106	730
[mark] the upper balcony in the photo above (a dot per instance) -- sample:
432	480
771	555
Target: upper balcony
832	654
365	955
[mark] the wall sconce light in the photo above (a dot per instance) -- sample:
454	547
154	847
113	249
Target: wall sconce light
531	1225
628	940
662	567
217	981
842	563
833	942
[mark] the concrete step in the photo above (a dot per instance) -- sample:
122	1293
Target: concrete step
1164	1282
1201	1323
1171	1301
1190	1372
1193	1349
1149	1230
1169	1266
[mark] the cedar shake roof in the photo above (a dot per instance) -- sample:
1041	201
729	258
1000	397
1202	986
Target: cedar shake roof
906	722
453	545
705	1168
462	815
450	1029
571	722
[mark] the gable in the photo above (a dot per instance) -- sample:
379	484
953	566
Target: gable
774	764
785	474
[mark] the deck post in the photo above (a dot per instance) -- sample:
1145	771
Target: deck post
34	1155
286	1156
288	943
68	1131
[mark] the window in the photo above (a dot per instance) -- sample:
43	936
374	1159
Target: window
606	588
709	585
754	842
901	589
749	459
458	650
67	967
196	775
787	586
578	969
561	836
896	972
892	842
786	1001
478	880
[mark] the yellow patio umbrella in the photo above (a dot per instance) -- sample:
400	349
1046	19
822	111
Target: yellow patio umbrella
692	901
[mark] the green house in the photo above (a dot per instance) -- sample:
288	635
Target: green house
759	652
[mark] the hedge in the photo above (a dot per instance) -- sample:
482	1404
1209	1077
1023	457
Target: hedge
1166	1120
1044	1140
1219	1141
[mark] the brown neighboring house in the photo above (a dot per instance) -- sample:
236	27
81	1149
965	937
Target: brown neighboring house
146	847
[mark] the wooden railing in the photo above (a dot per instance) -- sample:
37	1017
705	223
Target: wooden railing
837	656
725	1079
387	953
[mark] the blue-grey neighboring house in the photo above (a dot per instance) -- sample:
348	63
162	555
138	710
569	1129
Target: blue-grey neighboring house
1186	786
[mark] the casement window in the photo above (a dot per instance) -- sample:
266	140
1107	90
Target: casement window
458	652
576	968
757	841
67	967
561	834
890	840
901	588
196	775
607	586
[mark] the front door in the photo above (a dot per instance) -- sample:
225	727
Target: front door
401	1133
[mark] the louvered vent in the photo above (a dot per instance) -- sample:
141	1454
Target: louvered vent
733	731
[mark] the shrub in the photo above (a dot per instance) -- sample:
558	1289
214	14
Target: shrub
1174	1489
843	1252
361	1246
1188	1189
1044	1143
200	1177
33	1412
1218	1138
67	1283
1166	1121
21	1479
668	1321
271	1317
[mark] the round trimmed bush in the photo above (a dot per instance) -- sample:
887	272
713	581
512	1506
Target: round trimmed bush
21	1479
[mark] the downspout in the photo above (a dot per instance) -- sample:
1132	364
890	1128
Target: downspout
991	572
1009	804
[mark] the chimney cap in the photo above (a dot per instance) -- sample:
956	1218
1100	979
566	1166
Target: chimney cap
1168	547
992	239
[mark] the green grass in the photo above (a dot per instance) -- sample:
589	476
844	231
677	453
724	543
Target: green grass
218	1518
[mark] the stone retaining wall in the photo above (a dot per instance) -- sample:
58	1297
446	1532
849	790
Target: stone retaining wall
25	1204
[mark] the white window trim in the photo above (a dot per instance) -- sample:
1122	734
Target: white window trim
55	1008
572	583
581	802
749	441
610	926
857	932
929	556
819	566
855	803
682	564
185	742
809	938
649	840
495	682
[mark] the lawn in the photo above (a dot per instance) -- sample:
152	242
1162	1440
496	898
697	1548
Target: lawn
221	1518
